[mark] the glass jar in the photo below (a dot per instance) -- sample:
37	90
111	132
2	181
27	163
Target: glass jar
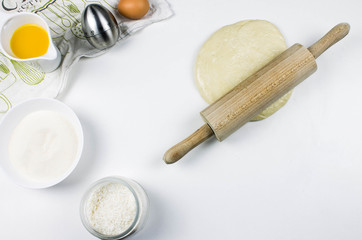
141	201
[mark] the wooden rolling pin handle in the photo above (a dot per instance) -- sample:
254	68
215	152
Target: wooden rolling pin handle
332	37
179	150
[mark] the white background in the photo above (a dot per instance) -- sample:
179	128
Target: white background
296	175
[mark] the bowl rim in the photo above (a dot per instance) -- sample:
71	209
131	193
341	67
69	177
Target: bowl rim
18	112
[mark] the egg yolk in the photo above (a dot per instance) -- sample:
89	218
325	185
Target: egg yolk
29	41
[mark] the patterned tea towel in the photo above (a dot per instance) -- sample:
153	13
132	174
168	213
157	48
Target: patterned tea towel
19	81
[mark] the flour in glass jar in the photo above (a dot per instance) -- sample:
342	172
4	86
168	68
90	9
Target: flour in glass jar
111	209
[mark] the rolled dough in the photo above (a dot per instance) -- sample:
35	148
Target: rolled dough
235	52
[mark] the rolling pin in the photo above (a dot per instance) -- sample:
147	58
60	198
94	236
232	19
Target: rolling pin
257	92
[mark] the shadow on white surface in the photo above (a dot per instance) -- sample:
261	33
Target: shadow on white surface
154	226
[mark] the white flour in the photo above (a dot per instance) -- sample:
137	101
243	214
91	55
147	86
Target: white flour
43	146
111	209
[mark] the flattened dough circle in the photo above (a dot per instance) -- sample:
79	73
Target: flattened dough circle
235	52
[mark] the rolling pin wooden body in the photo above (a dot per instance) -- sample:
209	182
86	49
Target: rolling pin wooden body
260	90
257	92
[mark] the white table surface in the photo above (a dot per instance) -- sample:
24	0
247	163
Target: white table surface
296	175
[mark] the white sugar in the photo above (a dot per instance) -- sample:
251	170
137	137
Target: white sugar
111	209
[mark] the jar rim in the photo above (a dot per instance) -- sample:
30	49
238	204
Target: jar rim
91	189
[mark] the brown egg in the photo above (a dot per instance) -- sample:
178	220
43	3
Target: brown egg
133	9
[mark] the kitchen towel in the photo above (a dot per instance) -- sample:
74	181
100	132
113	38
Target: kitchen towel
19	81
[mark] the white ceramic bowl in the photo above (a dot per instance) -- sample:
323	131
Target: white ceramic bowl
13	118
